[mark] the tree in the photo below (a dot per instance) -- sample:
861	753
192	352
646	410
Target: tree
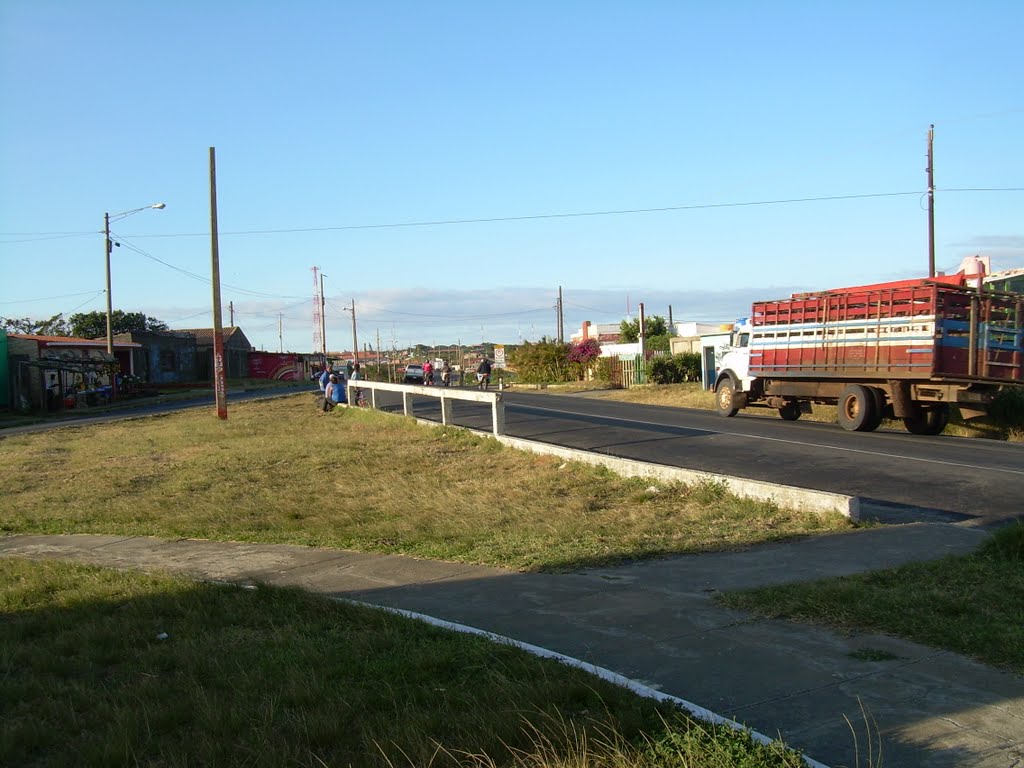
55	326
629	330
93	325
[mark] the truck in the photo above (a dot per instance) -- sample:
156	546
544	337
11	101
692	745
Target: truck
907	350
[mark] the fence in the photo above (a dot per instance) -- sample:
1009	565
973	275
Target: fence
446	395
628	371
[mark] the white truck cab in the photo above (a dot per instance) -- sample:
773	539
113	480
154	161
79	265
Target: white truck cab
736	357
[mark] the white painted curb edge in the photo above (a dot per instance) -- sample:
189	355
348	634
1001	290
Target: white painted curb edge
605	674
783	495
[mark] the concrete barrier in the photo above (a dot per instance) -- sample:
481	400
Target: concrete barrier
446	395
784	495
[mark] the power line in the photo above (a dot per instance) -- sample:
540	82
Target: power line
51	298
542	216
201	278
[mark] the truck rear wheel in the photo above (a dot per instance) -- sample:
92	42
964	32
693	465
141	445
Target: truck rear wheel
928	421
725	398
879	412
790	411
858	409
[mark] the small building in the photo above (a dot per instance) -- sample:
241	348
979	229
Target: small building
1010	280
236	352
51	372
164	357
5	373
688	335
605	333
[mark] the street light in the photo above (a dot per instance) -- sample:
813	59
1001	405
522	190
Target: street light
107	247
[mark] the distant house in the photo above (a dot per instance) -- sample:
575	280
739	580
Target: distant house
236	352
164	357
605	333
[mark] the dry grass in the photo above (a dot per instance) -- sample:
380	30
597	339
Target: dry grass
278	472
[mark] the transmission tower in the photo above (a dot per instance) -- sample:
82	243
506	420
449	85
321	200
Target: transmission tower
318	339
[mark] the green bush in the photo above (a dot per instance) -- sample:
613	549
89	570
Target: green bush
675	369
1007	410
543	363
603	368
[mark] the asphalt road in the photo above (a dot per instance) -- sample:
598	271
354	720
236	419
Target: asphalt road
903	477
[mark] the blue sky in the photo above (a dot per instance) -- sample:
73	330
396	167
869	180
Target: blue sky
337	123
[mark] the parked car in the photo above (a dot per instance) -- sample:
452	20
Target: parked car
413	374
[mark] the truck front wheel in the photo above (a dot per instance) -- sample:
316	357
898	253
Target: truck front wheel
725	398
858	409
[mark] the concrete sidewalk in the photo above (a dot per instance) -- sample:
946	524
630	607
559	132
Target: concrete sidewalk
654	622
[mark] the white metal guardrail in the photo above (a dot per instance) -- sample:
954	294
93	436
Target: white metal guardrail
446	395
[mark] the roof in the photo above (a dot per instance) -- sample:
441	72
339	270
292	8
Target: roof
69	341
204	336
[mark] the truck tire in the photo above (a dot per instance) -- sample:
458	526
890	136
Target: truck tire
790	411
858	409
879	413
725	398
928	421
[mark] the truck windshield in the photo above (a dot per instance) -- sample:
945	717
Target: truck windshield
742	339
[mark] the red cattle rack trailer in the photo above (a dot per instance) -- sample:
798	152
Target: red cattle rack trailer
907	349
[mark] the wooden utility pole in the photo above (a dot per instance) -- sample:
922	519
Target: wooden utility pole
931	202
561	318
231	313
671	325
642	330
219	379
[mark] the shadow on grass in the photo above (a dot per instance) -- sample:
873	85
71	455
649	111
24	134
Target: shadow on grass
106	668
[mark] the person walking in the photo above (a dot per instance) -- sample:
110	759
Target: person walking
355	376
446	374
483	374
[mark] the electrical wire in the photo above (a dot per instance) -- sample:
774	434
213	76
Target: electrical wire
542	216
51	298
194	276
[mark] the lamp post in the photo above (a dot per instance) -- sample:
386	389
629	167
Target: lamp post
107	247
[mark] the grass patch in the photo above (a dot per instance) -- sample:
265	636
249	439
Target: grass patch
107	668
278	472
971	604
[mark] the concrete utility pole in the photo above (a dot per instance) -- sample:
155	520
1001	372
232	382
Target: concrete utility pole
378	350
931	202
280	340
220	382
231	311
671	325
355	341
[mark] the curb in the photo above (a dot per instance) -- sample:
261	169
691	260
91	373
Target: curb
784	495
